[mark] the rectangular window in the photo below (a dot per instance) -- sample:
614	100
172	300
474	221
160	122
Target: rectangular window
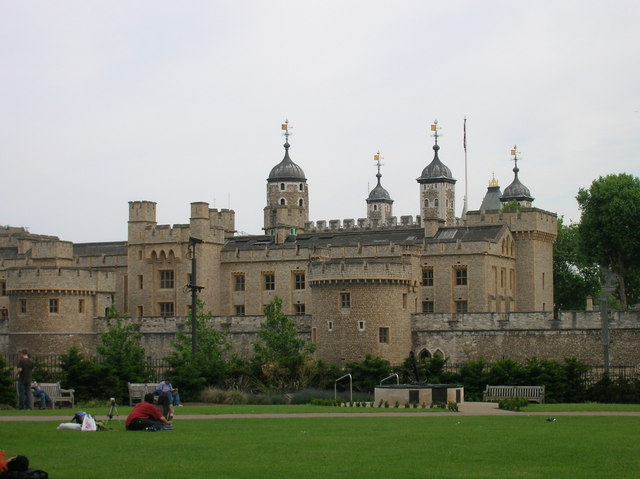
140	281
383	335
3	288
239	309
166	279
166	309
427	306
360	325
299	281
140	255
23	305
330	325
404	300
300	309
427	276
461	276
238	282
81	306
461	306
269	281
503	275
345	300
140	311
53	306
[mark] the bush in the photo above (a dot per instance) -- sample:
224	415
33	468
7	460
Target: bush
513	404
219	396
452	406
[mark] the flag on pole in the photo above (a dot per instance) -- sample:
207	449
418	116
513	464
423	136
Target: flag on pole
464	136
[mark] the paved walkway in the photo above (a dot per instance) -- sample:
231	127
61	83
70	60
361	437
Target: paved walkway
466	409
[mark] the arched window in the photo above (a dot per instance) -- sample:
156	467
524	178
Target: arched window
283	202
424	355
375	207
281	186
426	203
436	203
301	187
438	353
300	202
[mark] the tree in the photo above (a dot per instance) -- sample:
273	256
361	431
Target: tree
280	353
609	226
121	347
210	365
368	374
7	384
574	278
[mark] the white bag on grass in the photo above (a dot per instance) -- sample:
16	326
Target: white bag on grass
88	423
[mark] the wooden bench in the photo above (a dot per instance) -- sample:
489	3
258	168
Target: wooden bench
531	393
138	390
57	394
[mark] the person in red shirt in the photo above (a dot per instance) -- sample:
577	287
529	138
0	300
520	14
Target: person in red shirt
146	417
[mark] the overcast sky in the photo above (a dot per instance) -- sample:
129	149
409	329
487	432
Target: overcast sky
102	103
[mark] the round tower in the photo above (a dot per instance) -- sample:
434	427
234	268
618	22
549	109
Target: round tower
379	202
287	208
437	189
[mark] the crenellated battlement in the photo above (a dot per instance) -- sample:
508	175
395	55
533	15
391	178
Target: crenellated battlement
337	271
62	280
361	224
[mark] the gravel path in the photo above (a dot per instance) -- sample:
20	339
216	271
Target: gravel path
466	409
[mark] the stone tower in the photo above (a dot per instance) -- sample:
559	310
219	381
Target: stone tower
437	192
379	202
287	208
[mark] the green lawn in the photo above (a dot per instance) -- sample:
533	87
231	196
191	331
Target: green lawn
354	447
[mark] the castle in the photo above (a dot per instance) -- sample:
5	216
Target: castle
476	286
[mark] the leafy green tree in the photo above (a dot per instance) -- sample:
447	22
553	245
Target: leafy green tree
122	352
7	384
281	356
574	277
89	378
368	373
609	226
210	364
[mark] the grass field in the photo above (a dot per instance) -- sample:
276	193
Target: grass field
355	447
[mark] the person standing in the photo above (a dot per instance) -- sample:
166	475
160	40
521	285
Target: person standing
24	369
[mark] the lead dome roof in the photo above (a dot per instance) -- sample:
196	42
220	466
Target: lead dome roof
286	170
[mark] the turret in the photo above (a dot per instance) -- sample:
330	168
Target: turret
437	189
516	191
287	208
379	202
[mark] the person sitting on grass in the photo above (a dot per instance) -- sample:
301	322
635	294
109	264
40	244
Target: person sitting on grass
146	417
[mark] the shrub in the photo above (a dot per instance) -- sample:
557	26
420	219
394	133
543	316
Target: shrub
386	404
513	404
452	406
219	396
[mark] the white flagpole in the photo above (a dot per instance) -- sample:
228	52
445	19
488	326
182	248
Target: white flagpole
466	182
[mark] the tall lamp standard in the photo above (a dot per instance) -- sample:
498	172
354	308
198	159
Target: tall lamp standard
193	286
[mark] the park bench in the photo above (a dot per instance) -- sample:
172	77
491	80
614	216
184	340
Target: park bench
531	393
138	390
57	394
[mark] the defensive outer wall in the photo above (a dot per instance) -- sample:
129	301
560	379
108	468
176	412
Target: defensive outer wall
490	336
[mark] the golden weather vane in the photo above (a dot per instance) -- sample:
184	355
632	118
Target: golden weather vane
434	129
285	127
515	153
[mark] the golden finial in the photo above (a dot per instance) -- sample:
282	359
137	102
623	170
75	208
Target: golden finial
493	183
